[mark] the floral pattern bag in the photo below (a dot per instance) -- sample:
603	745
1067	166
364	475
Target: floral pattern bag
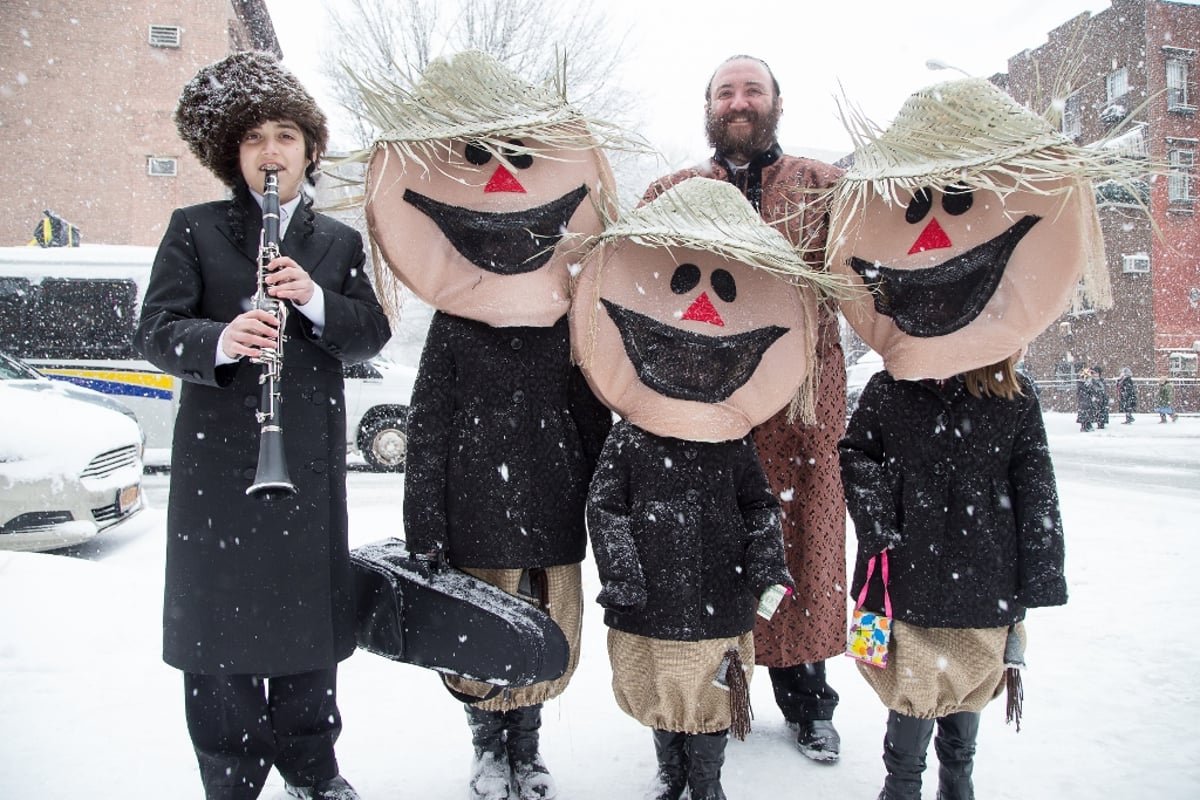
870	631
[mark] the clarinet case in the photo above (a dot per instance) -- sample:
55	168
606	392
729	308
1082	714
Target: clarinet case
446	620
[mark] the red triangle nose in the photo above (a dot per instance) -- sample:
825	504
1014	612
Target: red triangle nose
503	181
702	310
932	238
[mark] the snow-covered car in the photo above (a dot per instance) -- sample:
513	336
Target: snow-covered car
378	392
857	375
69	467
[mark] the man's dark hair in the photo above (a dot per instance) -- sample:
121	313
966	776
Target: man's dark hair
740	56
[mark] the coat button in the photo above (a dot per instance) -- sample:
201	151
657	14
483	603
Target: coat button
939	468
518	396
318	398
693	496
690	454
249	473
250	401
318	466
515	343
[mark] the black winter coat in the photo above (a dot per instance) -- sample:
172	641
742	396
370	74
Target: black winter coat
686	535
962	489
1126	395
503	435
256	587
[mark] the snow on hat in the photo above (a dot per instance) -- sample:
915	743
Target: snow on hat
231	96
711	215
475	97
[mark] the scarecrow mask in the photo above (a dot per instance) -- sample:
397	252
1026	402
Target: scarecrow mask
692	318
970	222
482	189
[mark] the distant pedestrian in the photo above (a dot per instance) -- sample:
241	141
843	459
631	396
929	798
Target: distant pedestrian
1086	401
1099	389
1166	400
1126	395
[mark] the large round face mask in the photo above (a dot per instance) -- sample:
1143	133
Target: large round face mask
961	278
487	233
689	344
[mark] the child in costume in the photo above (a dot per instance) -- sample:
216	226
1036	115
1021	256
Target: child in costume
477	190
971	221
694	321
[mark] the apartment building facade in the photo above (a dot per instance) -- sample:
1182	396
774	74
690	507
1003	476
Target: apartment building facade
1127	77
87	92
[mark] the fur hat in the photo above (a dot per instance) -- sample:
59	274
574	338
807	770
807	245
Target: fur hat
230	97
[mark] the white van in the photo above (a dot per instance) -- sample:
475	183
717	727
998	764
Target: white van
71	313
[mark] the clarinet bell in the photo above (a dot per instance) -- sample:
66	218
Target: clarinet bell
271	480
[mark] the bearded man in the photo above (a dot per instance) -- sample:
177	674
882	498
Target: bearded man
742	110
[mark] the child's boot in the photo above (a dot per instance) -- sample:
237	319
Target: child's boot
904	748
705	757
672	776
490	770
955	746
531	778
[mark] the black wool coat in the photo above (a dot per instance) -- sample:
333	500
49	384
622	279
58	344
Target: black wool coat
962	490
256	587
503	435
686	535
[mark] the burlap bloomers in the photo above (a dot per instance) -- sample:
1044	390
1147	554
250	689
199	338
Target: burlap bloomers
565	606
933	672
668	685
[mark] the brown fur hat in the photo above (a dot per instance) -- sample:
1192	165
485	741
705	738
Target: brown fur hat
230	97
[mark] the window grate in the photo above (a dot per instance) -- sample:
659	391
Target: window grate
165	35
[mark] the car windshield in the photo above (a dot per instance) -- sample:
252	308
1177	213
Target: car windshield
13	370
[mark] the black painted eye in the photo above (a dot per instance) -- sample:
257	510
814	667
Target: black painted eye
685	278
477	155
957	199
518	160
724	285
919	206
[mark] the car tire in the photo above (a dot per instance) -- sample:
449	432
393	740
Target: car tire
383	441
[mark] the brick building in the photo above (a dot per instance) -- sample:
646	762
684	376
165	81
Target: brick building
87	90
1129	73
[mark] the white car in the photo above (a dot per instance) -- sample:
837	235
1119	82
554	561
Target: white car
857	375
378	392
69	467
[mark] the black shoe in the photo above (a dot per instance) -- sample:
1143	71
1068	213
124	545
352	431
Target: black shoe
335	788
819	740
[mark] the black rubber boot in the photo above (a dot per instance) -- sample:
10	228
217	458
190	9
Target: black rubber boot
904	748
705	757
490	770
955	747
672	776
532	781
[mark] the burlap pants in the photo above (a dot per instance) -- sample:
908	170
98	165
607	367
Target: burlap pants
565	607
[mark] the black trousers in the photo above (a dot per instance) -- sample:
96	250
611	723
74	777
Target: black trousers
241	725
802	693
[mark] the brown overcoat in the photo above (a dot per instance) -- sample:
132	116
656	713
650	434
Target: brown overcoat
801	461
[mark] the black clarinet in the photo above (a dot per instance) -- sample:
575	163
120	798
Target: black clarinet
271	479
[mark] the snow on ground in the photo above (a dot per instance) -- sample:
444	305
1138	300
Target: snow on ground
88	708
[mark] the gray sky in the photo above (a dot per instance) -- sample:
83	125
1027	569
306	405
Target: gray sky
873	51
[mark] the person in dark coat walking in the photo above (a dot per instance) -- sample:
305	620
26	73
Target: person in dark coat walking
1126	395
1100	398
258	607
1085	400
478	213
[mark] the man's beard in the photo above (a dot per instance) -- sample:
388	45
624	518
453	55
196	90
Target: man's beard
743	147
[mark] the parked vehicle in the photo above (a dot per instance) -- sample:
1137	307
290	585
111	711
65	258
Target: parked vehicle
378	392
71	312
857	375
69	467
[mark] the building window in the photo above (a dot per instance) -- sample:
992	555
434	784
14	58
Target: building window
1137	262
1179	181
1072	116
1184	364
1064	373
1178	64
165	35
162	167
1117	84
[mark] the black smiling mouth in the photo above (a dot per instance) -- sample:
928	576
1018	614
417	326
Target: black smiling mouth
690	366
939	300
508	243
